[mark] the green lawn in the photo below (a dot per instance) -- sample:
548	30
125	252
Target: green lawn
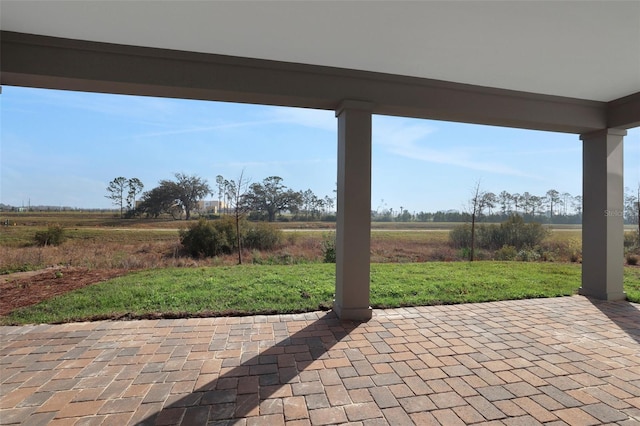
254	289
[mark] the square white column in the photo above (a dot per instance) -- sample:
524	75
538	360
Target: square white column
353	227
602	217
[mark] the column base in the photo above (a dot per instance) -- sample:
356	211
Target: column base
352	314
602	295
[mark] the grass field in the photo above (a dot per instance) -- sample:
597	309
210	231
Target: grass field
411	265
251	289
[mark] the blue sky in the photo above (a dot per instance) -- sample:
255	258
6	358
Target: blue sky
62	148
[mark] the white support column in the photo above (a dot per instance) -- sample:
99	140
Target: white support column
602	217
353	228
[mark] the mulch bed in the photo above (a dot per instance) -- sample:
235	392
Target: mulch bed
28	288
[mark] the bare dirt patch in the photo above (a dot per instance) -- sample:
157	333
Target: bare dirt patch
28	288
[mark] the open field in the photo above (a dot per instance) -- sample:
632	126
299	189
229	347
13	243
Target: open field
104	241
100	248
70	219
150	261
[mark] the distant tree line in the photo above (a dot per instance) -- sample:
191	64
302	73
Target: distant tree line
552	207
47	208
268	200
271	200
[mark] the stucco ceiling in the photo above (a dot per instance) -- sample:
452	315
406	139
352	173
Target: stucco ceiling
586	50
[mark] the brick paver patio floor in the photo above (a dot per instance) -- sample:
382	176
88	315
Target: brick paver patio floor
558	361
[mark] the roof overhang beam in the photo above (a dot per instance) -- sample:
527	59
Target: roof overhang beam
56	63
624	113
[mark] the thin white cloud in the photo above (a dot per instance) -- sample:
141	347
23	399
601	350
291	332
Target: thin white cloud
407	140
115	105
546	151
259	164
203	129
314	118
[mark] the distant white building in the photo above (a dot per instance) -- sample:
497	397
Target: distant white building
210	206
203	206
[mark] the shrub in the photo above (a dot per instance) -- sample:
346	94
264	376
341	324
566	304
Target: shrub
506	253
513	232
460	236
54	236
261	236
212	238
631	240
329	248
441	254
226	227
465	253
258	215
205	239
529	255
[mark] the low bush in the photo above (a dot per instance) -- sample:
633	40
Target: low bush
441	254
631	240
514	233
529	255
460	236
261	236
329	248
569	249
506	253
208	238
53	236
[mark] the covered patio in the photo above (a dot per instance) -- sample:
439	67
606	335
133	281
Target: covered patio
563	361
570	67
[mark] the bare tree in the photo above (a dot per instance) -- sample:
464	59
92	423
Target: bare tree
477	204
236	193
